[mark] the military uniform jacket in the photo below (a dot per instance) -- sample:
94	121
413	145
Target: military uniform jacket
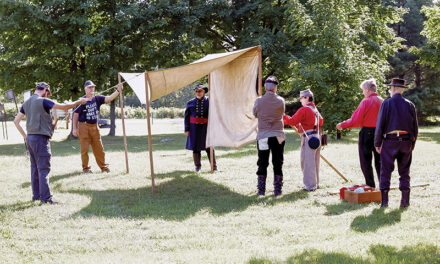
196	122
396	113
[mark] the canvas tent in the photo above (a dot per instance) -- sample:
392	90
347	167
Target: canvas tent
233	89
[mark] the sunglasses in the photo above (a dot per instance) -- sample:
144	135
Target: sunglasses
199	91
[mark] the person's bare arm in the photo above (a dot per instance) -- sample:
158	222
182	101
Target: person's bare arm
17	120
113	95
66	107
75	124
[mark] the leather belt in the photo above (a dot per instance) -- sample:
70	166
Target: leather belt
198	120
396	137
397	132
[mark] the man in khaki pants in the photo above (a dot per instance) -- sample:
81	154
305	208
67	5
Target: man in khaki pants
85	125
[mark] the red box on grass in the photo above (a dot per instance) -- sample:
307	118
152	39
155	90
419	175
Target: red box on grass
370	195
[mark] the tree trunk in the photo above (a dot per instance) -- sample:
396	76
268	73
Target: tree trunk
418	75
112	118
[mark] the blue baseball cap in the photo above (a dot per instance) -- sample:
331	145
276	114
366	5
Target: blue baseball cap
43	86
88	83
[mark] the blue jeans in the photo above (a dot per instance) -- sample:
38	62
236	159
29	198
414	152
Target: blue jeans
39	151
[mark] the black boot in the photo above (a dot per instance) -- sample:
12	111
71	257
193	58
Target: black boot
277	184
404	203
384	194
261	184
197	161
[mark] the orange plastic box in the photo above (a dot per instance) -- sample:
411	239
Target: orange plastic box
370	195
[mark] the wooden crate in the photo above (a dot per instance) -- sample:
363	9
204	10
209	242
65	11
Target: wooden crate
370	195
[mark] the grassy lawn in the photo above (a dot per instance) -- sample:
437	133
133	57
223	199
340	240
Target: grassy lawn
209	218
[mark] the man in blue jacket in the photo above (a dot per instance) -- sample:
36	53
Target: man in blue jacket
196	125
394	139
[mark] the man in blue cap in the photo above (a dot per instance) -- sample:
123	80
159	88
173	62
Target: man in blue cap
395	138
85	126
39	130
196	125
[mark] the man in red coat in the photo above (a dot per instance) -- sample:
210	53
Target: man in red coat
365	117
308	121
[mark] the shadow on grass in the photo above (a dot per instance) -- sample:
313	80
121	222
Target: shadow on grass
342	206
20	206
111	144
177	199
377	219
53	179
382	254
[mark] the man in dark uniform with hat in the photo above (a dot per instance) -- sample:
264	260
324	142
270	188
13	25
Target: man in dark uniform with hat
196	125
395	138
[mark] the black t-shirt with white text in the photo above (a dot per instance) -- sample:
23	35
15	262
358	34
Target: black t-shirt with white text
89	112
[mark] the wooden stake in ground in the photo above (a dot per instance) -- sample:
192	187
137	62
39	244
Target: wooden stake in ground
260	71
150	147
121	104
211	149
324	159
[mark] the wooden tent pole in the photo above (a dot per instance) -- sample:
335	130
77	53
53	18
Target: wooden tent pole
260	70
211	149
322	157
121	104
150	147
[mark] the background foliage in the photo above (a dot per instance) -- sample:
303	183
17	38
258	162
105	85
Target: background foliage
327	46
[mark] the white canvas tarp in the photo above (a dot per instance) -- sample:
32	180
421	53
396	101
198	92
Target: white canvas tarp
137	84
232	92
231	99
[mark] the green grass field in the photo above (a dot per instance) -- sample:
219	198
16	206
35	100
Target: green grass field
209	218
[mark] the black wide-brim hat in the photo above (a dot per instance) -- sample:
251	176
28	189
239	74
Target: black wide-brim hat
398	83
200	86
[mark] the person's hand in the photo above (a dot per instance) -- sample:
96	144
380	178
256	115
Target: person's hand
339	127
187	133
378	149
83	100
120	87
286	119
75	132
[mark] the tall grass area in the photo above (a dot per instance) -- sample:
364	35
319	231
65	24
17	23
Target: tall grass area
210	218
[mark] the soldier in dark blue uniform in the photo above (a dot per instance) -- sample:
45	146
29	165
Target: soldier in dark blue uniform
395	138
196	125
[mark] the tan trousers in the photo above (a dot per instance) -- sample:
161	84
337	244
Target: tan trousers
310	164
89	136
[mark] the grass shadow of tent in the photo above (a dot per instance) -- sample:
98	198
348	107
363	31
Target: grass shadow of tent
177	199
377	219
419	253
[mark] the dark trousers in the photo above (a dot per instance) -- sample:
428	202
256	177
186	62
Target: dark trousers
39	151
277	150
366	152
197	157
402	152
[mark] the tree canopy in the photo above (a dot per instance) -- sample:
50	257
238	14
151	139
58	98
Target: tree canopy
327	46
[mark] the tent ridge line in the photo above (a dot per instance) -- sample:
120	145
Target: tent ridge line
244	52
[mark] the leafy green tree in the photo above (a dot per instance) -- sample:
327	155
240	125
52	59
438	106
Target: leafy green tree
67	42
339	44
427	97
